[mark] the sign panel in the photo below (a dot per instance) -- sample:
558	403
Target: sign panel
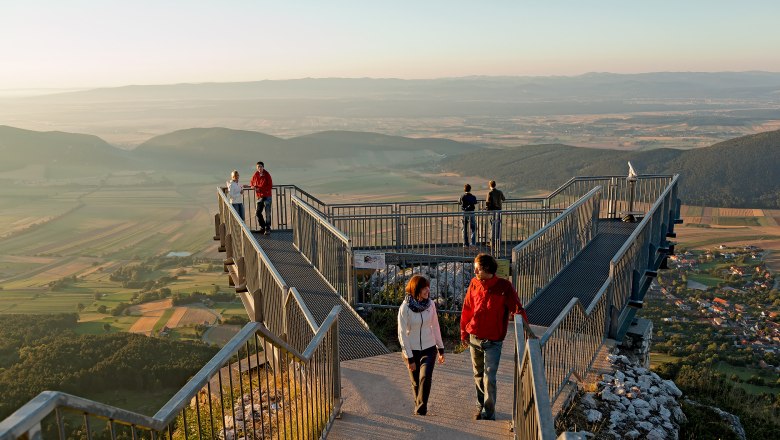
369	260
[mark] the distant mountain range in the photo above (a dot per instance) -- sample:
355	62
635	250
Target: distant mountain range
741	172
598	86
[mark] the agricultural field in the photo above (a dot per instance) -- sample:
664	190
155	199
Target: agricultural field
706	227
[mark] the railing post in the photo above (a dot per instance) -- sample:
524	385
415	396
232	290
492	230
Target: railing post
612	198
336	362
257	305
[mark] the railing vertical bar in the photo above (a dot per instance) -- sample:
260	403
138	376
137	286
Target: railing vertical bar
60	424
251	391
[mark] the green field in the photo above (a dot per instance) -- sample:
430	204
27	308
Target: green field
744	373
657	359
707	280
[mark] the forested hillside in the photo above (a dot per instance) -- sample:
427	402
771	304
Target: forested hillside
741	172
42	352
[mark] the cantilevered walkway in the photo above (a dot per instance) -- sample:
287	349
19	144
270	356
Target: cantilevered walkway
357	341
584	276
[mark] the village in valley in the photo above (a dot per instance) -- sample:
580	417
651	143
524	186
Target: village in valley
720	306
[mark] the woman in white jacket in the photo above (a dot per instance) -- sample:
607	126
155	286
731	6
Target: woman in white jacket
235	191
420	338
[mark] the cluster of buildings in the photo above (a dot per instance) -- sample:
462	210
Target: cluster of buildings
740	304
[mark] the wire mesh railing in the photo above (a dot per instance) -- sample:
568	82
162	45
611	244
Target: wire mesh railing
325	247
531	416
449	279
645	247
570	345
540	258
257	386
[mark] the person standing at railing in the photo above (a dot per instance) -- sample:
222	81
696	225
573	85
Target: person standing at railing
467	202
494	202
236	194
490	302
420	338
262	184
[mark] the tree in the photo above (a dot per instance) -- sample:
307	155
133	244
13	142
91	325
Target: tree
80	307
107	327
102	309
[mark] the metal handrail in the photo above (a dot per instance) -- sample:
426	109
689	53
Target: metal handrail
325	247
568	233
532	415
26	421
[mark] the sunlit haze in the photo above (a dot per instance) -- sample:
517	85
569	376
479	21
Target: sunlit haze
77	44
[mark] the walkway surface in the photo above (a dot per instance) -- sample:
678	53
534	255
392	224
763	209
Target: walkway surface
357	341
378	401
584	276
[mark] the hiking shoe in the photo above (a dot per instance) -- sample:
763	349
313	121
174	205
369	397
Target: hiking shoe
267	232
478	415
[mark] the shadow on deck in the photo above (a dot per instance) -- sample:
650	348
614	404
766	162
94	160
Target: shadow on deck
584	276
357	341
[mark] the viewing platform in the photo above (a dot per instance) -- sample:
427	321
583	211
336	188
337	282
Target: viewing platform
308	366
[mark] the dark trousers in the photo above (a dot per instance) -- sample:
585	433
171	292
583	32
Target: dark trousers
424	360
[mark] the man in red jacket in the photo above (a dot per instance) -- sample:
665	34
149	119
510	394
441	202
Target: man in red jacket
262	184
489	303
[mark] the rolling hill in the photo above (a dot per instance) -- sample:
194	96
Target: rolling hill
58	154
741	172
207	148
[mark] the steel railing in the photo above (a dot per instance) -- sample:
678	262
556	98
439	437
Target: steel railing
255	271
441	233
540	258
570	345
633	267
620	195
243	392
281	200
531	416
328	249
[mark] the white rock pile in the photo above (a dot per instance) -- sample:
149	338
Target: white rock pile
635	403
250	413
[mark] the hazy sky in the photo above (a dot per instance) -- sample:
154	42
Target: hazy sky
81	43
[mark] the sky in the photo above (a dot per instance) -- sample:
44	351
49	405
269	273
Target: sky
73	44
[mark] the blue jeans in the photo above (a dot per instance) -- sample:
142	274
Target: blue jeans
469	218
264	207
485	356
239	207
424	361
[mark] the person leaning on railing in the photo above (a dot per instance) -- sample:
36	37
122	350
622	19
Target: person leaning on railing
263	185
420	337
235	193
490	302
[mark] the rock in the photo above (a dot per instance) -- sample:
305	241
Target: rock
678	415
616	417
665	414
625	401
654	390
619	375
633	434
640	403
671	388
607	378
609	396
645	426
657	433
653	404
593	415
641	371
589	401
